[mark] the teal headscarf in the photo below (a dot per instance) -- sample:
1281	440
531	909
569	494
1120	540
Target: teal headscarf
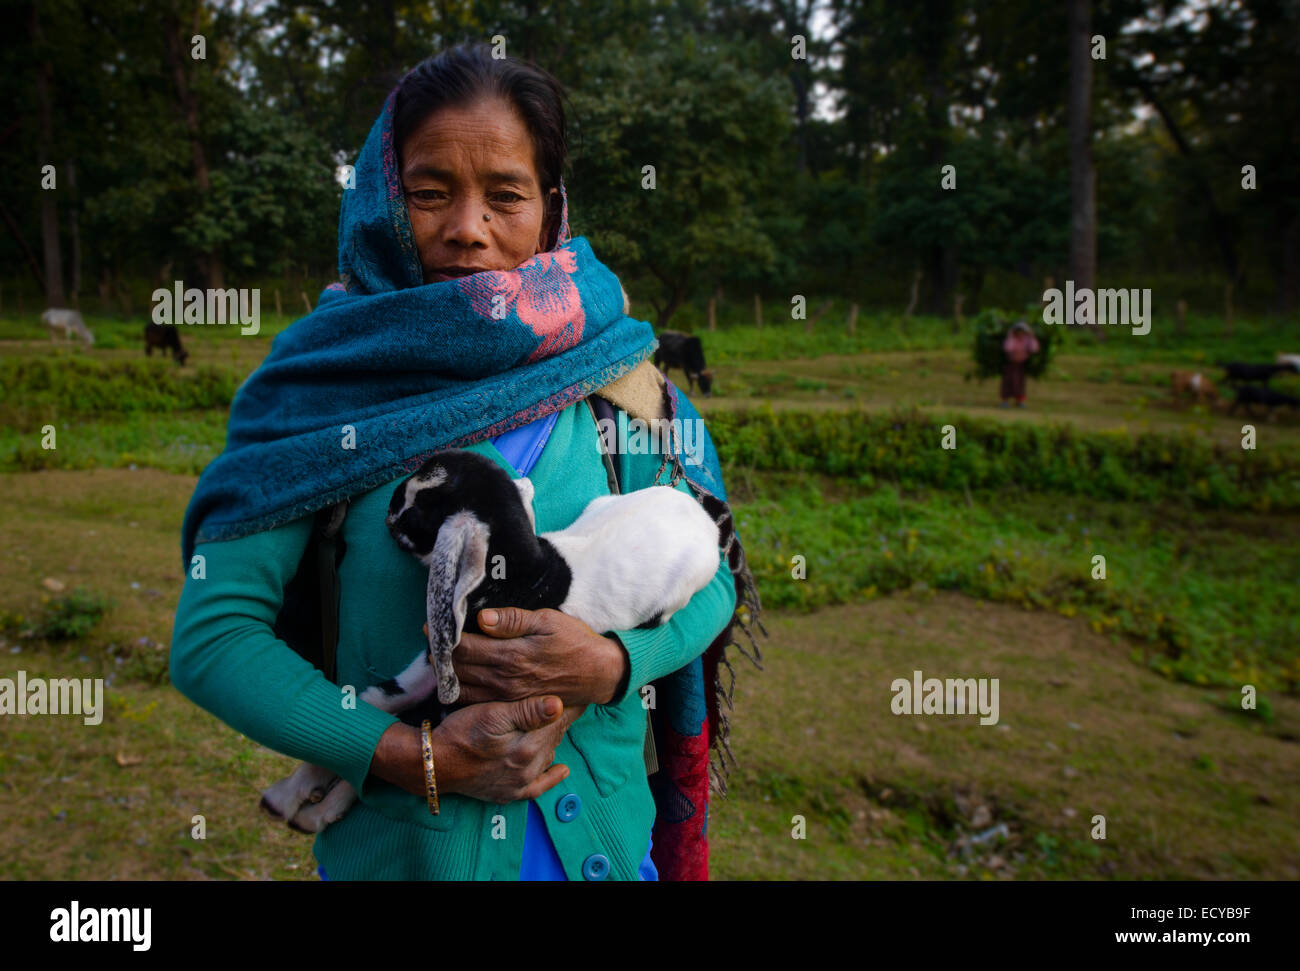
399	369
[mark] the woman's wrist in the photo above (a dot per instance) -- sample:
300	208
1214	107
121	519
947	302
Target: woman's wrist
399	759
618	671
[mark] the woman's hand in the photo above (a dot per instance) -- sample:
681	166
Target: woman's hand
503	751
496	751
522	653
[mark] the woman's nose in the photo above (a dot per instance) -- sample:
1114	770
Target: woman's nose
464	223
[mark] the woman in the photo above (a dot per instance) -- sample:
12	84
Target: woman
467	318
1020	345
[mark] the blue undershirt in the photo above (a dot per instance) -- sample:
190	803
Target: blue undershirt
522	447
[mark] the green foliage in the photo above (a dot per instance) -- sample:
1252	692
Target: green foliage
712	128
991	328
41	389
229	161
1001	211
1174	583
904	447
72	616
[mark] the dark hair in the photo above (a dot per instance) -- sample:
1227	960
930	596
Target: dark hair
463	74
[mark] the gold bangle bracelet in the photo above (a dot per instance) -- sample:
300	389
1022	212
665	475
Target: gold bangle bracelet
430	781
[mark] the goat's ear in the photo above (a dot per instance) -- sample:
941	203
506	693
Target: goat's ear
525	487
457	565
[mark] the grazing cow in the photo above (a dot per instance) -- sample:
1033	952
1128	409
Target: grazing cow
1249	395
686	352
69	321
1238	372
164	338
1197	385
1292	359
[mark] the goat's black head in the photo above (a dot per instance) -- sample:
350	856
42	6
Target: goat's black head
455	481
456	512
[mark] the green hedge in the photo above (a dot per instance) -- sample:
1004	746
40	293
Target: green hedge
38	389
905	447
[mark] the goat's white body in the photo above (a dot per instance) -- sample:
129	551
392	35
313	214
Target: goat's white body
636	555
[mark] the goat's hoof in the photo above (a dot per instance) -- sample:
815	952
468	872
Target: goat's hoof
269	809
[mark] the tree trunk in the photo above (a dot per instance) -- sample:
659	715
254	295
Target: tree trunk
944	267
713	308
976	287
54	296
853	319
1083	174
1223	230
916	287
821	312
676	297
1288	266
74	235
105	290
796	20
758	311
175	46
22	245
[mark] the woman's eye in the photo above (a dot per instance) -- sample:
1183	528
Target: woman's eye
427	195
509	197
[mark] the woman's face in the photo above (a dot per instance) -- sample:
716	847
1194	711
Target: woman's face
459	164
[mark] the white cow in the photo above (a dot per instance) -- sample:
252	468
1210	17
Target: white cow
70	322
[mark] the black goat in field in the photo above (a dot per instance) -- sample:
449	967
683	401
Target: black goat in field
686	352
164	338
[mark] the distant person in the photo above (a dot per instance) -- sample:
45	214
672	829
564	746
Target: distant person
1020	345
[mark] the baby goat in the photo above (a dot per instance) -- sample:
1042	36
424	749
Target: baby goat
627	561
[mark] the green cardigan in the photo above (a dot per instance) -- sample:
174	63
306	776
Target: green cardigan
225	658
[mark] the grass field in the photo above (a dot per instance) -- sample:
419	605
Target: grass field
1119	699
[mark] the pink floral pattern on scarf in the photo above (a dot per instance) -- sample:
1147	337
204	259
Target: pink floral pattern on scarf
541	292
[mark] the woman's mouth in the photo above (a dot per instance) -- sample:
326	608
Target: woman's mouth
442	273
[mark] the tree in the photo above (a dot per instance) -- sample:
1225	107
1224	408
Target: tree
712	130
54	296
1083	174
